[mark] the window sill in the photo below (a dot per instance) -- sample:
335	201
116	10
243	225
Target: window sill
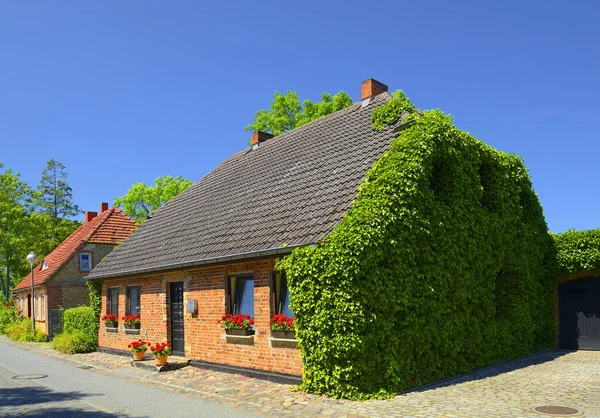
112	329
239	339
132	331
283	342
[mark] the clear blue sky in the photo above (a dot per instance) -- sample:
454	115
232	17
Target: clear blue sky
124	92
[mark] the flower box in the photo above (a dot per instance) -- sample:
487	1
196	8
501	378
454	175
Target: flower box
239	331
111	325
132	326
287	335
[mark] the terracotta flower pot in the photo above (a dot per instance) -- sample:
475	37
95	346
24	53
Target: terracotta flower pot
138	355
160	360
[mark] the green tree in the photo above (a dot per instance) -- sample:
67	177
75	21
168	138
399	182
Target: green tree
55	203
286	111
15	227
140	200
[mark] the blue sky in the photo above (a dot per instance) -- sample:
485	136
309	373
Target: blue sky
124	92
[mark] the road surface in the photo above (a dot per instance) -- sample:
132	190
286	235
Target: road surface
32	385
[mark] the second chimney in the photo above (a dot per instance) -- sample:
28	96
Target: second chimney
103	207
259	136
89	216
371	88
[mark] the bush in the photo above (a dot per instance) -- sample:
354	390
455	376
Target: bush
21	331
80	331
74	342
440	267
9	315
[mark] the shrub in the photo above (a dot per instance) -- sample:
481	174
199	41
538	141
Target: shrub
21	331
74	342
80	330
81	319
440	267
9	315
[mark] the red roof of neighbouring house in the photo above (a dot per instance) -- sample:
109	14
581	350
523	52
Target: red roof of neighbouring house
110	227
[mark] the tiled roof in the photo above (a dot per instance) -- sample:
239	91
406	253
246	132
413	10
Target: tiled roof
292	190
110	227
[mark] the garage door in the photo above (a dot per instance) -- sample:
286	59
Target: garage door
579	304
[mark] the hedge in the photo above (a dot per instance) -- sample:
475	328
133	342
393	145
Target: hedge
578	252
82	320
440	267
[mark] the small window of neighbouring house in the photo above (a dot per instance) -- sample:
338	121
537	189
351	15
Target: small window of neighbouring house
240	295
44	265
85	262
43	299
280	295
112	302
133	300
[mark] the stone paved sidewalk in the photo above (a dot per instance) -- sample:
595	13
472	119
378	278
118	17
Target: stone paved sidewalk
510	389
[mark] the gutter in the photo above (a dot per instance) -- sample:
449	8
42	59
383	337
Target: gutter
195	263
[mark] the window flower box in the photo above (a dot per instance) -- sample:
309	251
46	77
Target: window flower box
283	327
239	324
110	321
239	331
284	335
131	321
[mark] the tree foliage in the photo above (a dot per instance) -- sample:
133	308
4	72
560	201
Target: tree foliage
286	112
440	267
27	221
140	200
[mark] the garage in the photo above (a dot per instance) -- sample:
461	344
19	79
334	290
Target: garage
579	315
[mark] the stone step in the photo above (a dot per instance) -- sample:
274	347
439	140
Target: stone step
174	363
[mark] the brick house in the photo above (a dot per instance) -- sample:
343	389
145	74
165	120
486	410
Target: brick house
59	278
216	244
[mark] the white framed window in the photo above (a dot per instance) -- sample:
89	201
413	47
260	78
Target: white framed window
44	265
43	307
85	262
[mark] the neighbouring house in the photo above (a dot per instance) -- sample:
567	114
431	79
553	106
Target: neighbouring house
59	278
411	250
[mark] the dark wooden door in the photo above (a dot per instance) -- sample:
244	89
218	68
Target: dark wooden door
580	314
177	335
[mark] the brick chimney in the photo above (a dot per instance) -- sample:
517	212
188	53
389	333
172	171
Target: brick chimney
258	136
371	88
103	207
89	216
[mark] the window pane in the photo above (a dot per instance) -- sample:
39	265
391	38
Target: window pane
84	262
286	303
133	300
245	296
114	301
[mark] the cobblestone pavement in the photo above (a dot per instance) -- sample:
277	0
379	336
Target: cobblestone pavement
510	389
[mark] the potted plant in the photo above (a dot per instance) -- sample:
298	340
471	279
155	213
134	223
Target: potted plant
160	351
239	324
138	349
282	326
131	321
110	320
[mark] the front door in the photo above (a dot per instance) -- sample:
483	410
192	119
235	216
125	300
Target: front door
176	296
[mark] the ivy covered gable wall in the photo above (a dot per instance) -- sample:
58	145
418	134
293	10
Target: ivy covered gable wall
439	267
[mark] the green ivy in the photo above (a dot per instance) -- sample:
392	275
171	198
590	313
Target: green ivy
439	268
95	299
578	252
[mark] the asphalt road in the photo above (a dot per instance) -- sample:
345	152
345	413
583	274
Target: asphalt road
32	385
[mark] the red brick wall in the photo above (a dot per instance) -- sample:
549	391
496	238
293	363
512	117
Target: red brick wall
204	338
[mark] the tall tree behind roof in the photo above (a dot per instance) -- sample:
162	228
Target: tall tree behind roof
286	112
140	200
55	202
